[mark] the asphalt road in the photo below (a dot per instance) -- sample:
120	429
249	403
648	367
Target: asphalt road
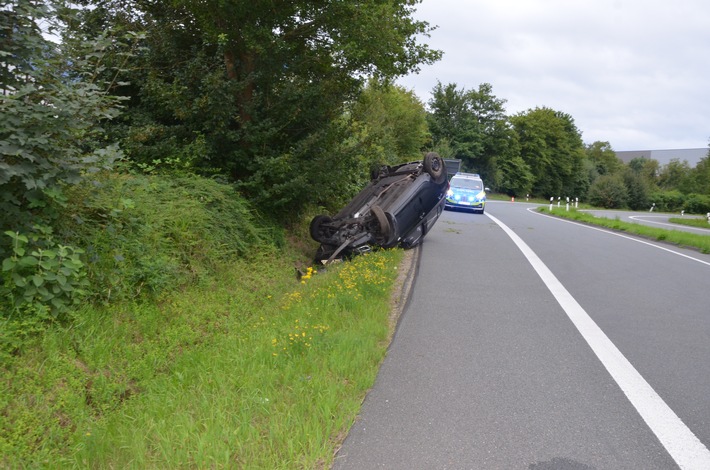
493	365
653	219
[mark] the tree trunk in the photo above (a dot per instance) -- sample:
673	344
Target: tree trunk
243	71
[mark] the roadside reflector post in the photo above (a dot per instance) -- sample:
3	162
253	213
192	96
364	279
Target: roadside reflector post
527	197
552	199
576	202
567	206
653	206
558	201
708	217
682	213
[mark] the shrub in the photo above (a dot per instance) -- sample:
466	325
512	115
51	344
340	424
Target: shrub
697	204
149	234
668	201
608	191
42	275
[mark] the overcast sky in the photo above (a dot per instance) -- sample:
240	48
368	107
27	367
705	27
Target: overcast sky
635	73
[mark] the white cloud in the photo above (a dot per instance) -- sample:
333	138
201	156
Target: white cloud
631	72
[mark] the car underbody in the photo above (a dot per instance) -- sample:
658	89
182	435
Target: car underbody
397	208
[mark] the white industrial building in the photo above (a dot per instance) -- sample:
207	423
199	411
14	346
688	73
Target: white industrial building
692	156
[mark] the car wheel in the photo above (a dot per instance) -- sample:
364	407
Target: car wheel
317	226
434	165
383	225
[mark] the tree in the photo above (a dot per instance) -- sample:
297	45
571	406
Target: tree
452	120
253	88
701	176
675	175
515	177
473	123
552	147
637	192
602	155
393	122
646	168
51	111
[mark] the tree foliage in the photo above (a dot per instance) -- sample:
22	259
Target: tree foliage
552	147
472	126
391	123
51	110
452	120
608	191
255	91
603	157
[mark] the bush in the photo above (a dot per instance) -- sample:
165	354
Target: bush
697	204
668	201
149	234
42	275
608	191
637	190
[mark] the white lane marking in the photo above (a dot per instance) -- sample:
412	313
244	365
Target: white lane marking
680	442
642	218
534	211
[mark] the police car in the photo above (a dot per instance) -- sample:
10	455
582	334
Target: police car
466	191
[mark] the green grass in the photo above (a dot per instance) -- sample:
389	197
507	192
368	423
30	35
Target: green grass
691	222
253	370
676	237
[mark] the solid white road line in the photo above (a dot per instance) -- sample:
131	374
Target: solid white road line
637	240
680	442
642	218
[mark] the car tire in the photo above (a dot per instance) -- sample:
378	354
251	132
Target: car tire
316	225
435	166
384	229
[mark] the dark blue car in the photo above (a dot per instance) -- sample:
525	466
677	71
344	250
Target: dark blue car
397	208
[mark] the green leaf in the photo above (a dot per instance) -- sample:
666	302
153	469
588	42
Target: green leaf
19	280
37	280
8	264
28	261
66	271
47	264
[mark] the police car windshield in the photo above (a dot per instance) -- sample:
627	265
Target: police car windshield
466	183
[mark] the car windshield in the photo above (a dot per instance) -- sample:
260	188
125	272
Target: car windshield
466	183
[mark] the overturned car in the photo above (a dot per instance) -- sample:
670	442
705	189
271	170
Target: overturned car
398	207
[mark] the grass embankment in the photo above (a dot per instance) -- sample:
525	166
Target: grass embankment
676	237
246	367
691	222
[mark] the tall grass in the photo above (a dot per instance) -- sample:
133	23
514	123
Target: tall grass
251	370
676	237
